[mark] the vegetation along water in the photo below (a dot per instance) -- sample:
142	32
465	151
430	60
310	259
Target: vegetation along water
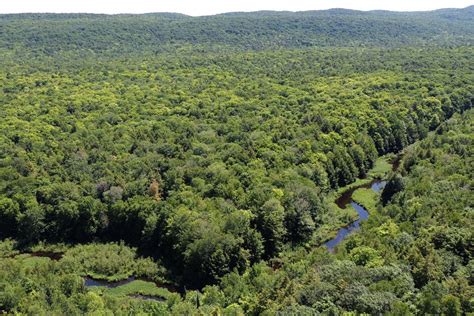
162	164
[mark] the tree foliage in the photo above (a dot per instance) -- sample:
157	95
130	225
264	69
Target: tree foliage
215	146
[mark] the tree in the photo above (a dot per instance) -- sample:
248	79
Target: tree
270	222
154	190
393	186
451	305
9	214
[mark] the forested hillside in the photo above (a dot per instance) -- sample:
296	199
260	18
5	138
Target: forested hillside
53	33
162	163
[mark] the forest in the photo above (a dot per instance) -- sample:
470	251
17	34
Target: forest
163	164
50	34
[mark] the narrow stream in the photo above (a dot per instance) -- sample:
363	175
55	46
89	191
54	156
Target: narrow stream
90	282
345	199
109	284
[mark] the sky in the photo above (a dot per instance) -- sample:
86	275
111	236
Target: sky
207	7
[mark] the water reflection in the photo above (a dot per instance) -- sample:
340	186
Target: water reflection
343	200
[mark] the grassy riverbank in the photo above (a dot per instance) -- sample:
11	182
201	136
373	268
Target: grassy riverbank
140	287
381	168
367	198
338	217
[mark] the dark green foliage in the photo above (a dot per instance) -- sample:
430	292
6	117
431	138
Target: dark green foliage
214	145
270	221
159	151
51	34
395	265
393	186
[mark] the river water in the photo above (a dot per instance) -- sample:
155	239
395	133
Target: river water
346	198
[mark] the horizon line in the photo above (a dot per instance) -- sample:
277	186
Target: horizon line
234	12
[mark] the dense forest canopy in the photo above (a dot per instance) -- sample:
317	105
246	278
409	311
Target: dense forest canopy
51	33
195	162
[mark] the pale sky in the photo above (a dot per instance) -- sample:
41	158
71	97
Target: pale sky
206	7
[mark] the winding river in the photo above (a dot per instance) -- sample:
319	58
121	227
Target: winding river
342	201
109	284
346	198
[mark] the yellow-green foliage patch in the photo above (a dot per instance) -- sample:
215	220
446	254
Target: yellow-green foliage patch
7	248
367	198
139	287
111	262
382	166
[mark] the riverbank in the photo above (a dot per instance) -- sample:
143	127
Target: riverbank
114	270
368	198
341	214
